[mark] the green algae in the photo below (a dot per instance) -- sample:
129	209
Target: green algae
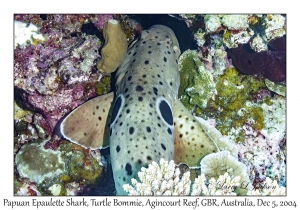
80	165
196	84
231	91
226	34
84	169
52	170
201	88
232	106
17	185
21	114
103	86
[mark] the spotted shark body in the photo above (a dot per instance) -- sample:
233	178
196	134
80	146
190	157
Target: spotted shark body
147	121
142	122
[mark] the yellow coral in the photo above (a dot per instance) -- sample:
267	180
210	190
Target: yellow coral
115	47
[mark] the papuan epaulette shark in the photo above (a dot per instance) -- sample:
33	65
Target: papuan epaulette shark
147	121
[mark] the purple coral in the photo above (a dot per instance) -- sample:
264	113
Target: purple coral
271	63
262	154
100	20
54	77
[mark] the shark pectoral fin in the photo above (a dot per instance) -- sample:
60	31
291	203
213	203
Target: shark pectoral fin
87	125
191	143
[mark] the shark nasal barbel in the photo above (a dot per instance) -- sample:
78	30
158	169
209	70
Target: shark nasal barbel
146	122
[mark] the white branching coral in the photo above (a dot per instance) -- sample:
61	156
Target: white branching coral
225	185
164	179
160	180
269	187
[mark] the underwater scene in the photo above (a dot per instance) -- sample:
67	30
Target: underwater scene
149	104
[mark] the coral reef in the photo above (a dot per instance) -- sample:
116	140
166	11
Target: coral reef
216	164
166	179
80	164
100	20
257	44
269	187
238	29
243	107
223	142
27	34
264	156
130	27
103	86
54	172
272	62
232	92
278	88
115	47
197	85
55	71
161	179
224	185
55	77
249	39
274	26
264	150
36	163
52	77
275	121
212	23
235	22
55	189
25	187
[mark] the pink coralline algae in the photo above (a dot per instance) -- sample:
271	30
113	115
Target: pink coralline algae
54	77
263	155
272	62
27	188
100	20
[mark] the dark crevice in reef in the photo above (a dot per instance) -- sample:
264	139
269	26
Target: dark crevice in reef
91	29
105	186
182	32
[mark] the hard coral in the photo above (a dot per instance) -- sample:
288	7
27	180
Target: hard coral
216	164
263	153
163	179
36	163
224	185
272	62
81	166
101	19
196	83
230	106
52	80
